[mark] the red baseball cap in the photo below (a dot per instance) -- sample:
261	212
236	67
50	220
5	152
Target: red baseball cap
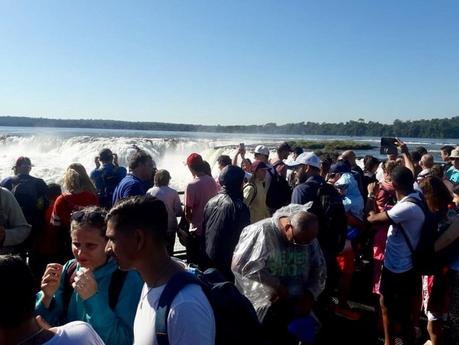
193	159
257	165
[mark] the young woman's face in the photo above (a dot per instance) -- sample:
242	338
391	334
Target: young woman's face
88	247
246	166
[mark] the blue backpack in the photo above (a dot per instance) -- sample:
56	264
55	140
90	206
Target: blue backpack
235	318
110	179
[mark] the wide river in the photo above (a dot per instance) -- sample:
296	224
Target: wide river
53	149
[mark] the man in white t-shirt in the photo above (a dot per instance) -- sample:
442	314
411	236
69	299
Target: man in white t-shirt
136	232
400	283
17	307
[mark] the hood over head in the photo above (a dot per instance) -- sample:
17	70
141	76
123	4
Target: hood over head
231	179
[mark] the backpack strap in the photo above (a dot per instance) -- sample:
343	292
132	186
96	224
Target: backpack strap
422	206
116	285
276	164
68	288
407	240
178	281
254	191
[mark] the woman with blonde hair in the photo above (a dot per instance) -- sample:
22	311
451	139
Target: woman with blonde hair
78	192
79	181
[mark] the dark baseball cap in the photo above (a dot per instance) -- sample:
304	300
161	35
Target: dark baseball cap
257	165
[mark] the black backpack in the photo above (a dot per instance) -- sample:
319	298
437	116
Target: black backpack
235	318
114	290
426	260
279	192
110	179
328	207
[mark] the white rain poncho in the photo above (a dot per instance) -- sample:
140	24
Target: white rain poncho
263	260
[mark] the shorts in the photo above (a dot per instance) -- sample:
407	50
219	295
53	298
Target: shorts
399	289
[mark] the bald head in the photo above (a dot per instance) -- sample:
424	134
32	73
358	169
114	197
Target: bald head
349	156
305	227
427	161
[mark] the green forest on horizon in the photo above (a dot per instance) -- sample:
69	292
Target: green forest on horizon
434	128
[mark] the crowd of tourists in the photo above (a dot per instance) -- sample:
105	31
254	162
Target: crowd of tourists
273	246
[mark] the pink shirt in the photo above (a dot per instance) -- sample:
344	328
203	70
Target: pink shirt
197	194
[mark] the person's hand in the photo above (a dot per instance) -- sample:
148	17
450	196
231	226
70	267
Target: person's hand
97	162
42	322
51	278
403	147
115	159
280	294
371	187
84	283
2	235
50	282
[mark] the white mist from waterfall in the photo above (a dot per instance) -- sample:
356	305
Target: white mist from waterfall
51	155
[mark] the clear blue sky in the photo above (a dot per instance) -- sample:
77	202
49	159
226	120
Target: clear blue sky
230	62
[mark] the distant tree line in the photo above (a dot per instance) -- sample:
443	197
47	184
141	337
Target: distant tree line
434	128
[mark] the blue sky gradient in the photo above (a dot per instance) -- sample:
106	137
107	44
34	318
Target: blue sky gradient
230	62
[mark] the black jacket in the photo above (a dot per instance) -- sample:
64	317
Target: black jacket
225	215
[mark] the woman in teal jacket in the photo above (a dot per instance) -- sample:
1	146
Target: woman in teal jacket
90	287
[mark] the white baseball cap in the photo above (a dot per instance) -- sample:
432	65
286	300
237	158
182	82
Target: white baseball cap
306	158
262	150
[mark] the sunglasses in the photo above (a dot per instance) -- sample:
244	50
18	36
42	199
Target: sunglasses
93	217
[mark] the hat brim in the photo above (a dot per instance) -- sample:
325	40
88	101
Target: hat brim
291	164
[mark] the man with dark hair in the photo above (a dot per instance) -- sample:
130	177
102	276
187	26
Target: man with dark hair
421	150
17	309
197	194
445	152
136	232
278	265
283	151
223	161
400	283
107	176
137	182
225	215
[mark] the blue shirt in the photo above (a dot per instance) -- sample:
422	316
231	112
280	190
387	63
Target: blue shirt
97	175
453	175
306	192
129	186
